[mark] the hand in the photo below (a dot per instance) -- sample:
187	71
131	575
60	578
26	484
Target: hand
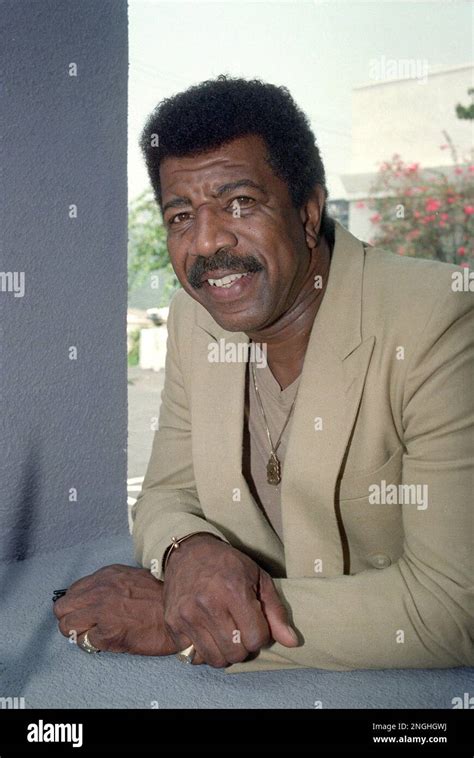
222	602
122	607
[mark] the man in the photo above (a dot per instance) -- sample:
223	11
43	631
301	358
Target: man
309	506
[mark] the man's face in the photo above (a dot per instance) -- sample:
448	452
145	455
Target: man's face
228	214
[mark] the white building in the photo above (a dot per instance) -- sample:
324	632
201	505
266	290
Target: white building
410	116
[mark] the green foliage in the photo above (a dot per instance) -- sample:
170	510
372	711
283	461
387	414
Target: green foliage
424	213
133	355
466	112
147	251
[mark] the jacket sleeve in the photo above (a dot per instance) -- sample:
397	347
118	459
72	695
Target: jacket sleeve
168	505
418	613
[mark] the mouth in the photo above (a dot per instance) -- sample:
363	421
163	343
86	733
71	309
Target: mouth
219	279
226	285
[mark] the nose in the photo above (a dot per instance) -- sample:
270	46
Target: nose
210	232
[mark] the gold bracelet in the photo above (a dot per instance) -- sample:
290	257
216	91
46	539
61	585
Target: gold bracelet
175	543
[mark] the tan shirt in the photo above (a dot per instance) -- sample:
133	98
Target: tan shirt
256	448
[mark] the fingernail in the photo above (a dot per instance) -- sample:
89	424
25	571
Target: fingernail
293	634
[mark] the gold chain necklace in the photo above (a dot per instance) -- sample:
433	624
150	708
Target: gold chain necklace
273	465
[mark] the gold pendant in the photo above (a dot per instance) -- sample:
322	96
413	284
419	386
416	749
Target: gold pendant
273	470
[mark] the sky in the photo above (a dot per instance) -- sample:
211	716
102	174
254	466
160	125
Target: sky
319	50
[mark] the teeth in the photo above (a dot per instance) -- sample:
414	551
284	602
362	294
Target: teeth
226	281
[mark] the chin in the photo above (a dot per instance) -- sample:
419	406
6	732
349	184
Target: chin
240	322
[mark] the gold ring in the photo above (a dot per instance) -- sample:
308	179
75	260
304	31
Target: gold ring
186	655
87	645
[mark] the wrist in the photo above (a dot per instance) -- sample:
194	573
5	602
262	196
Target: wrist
166	645
187	544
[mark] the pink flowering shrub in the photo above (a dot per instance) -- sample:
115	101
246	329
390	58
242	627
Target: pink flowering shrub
424	213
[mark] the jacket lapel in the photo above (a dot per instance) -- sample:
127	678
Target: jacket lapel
330	389
329	394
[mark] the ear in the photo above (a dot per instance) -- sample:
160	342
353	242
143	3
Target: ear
311	214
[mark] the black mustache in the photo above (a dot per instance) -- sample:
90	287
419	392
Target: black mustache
222	259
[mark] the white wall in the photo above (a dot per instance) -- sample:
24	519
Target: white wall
407	117
404	116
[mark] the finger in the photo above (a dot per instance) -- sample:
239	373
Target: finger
203	643
227	637
107	638
180	639
183	643
74	624
205	649
276	613
103	574
205	646
254	628
93	639
83	583
75	601
84	593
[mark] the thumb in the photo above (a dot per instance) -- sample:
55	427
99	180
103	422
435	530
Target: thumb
275	613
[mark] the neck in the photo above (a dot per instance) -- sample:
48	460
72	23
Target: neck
287	338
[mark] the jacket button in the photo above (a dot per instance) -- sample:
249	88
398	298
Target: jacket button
380	560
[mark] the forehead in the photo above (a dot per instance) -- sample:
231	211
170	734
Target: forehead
243	156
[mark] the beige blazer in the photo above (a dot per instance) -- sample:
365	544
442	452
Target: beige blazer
373	575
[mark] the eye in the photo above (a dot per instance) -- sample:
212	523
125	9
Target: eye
240	203
241	200
174	220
